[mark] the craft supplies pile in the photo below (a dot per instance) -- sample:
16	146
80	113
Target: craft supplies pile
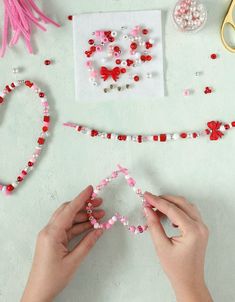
125	61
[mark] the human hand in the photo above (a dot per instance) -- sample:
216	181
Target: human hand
182	257
54	265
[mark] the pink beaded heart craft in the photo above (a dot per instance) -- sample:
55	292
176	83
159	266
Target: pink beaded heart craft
117	217
9	188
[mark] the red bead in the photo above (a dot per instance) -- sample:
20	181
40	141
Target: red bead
45	129
136	78
93	48
123	70
140	229
213	56
94	132
24	172
162	137
109	135
107	33
79	128
145	31
13	85
207	131
111	39
207	90
195	135
91	41
116	49
129	62
118	61
143	58
139	138
233	124
47	62
70	17
155	138
1	100
148	58
29	84
19	178
183	135
10	188
133	46
148	45
46	118
8	88
41	94
226	126
41	140
30	164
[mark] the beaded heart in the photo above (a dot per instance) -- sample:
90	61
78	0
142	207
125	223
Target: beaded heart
117	217
9	188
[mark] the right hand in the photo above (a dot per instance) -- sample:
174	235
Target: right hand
182	257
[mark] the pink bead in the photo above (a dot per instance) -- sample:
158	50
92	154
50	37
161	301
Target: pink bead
132	228
186	92
37	151
111	221
93	221
99	48
104	182
46	124
105	40
131	182
97	33
108	226
45	104
114	175
33	160
89	63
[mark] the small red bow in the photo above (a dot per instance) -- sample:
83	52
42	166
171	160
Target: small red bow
215	132
106	73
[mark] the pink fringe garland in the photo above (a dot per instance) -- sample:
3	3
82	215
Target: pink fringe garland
19	15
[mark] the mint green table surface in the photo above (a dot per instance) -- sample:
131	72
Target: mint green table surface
121	267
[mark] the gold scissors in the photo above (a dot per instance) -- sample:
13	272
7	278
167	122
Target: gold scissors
228	20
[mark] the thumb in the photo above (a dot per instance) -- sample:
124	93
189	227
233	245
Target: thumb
84	246
157	231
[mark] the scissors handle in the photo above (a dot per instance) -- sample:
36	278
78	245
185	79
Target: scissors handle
228	20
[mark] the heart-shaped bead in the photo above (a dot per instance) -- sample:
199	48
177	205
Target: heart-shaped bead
117	217
9	188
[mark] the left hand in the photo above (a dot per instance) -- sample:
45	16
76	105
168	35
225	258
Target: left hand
54	265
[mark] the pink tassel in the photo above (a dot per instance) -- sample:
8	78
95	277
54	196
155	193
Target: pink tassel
19	16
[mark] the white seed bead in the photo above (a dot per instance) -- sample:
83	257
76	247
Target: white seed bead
96	226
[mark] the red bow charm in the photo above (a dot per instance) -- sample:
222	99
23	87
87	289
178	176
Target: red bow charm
106	73
214	130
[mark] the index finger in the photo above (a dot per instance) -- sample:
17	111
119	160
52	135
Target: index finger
176	215
65	218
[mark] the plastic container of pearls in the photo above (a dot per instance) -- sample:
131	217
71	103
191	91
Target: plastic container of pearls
189	15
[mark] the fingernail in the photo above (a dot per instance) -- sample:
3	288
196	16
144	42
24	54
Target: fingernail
146	212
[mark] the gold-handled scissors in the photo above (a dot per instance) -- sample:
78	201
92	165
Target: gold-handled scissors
228	20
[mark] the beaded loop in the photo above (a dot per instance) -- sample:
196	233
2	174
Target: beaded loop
117	217
9	188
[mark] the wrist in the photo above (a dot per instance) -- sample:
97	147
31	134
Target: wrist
192	292
32	294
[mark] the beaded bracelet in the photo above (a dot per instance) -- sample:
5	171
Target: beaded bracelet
215	131
9	188
117	217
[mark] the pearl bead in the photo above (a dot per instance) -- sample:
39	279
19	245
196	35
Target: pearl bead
149	75
15	70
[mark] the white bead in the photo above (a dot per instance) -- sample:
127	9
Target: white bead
95	84
114	218
127	176
175	136
138	55
114	34
149	75
125	37
96	226
222	128
15	70
124	63
4	189
151	41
